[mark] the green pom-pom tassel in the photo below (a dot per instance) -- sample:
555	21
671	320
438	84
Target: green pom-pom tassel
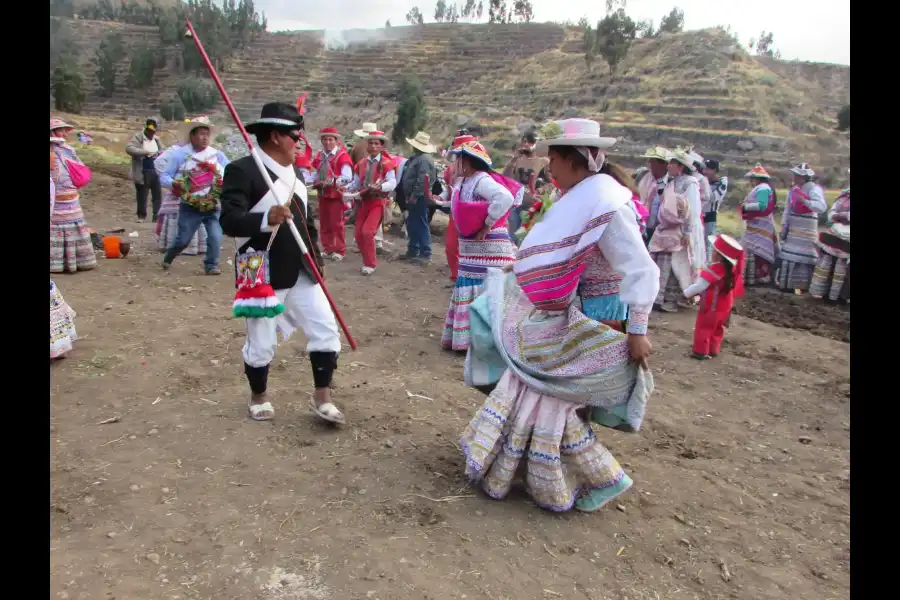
257	312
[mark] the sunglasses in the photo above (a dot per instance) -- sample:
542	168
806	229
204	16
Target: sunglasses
294	135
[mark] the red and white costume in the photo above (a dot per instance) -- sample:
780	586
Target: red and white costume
716	302
378	171
331	171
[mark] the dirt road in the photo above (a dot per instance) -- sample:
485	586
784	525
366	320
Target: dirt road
742	470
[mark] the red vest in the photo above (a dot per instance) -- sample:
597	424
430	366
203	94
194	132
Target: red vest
336	163
385	165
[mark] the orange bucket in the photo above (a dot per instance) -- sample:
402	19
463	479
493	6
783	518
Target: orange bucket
111	246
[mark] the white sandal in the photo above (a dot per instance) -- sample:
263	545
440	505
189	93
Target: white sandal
261	412
327	411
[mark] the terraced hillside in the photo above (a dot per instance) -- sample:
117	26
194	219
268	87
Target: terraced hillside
693	88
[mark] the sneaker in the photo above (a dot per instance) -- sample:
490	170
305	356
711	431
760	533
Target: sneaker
669	307
422	260
700	356
165	266
335	256
214	271
407	256
368	270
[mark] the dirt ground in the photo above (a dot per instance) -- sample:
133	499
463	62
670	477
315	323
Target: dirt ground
741	472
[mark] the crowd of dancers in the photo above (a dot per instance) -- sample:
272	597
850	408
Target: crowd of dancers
556	265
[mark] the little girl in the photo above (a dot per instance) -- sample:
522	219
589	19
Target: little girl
719	283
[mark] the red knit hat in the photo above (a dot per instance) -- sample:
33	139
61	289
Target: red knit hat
330	131
729	248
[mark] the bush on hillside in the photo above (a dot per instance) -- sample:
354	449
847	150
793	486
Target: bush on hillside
613	37
844	118
68	86
672	22
411	112
143	66
172	110
196	95
107	56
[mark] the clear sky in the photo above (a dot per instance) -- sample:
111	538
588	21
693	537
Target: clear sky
813	30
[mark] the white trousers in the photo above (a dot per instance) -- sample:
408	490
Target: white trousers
306	308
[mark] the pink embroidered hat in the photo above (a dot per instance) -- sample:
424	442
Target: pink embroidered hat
60	124
572	132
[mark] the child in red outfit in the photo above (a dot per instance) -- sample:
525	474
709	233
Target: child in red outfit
720	283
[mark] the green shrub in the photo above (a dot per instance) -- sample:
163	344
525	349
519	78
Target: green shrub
68	87
172	110
196	95
143	65
107	56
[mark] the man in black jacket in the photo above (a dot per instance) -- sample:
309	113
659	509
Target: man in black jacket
252	215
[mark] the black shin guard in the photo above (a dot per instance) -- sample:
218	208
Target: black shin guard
257	377
323	366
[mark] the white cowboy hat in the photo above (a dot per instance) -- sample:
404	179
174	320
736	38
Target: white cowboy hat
367	128
422	142
185	128
803	170
572	132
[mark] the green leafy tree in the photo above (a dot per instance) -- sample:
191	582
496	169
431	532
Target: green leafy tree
524	10
414	16
672	22
68	86
587	45
440	9
196	95
105	60
844	118
172	110
142	68
614	36
412	113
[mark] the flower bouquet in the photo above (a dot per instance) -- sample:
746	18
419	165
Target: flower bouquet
534	215
190	185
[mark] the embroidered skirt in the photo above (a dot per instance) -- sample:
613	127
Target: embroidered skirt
70	248
830	278
799	252
563	460
496	250
760	239
62	324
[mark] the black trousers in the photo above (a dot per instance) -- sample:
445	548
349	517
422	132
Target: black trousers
150	186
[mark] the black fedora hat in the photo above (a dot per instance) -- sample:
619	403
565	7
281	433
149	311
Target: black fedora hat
280	115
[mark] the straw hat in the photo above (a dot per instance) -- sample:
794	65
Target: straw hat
367	128
803	170
475	150
758	172
727	246
189	125
682	157
422	142
572	132
657	153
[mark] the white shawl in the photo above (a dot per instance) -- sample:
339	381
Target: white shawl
573	223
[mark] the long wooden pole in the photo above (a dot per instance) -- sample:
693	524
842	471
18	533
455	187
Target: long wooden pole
265	174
